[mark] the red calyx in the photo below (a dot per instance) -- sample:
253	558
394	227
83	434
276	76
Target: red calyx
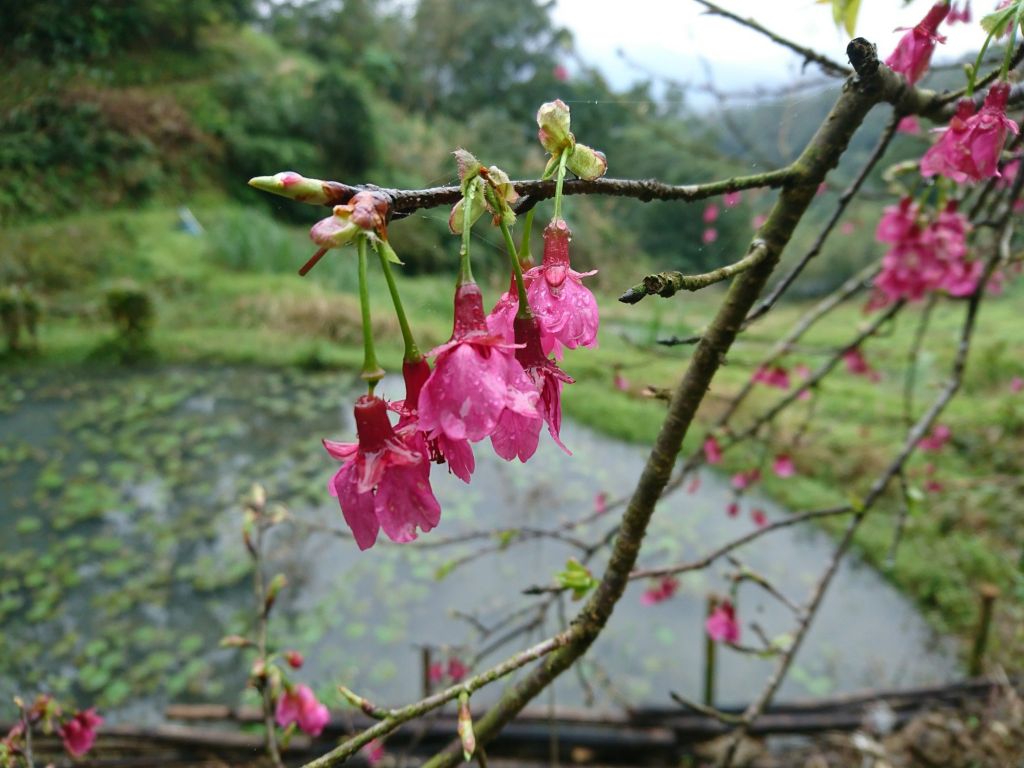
372	423
469	312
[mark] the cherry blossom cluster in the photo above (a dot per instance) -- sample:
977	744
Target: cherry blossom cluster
496	378
928	244
77	732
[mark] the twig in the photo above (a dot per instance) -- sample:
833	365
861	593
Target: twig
666	284
828	66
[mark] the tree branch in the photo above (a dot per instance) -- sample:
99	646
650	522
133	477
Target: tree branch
666	284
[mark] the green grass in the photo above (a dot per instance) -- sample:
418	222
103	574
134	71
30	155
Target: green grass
231	296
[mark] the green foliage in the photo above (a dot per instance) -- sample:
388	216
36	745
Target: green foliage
19	318
130	307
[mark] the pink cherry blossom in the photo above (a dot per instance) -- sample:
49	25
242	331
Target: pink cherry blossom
476	378
936	439
732	199
79	733
743	480
721	625
567	311
436	672
458	454
299	705
1017	384
909	125
710	235
694	485
858	365
294	659
373	751
456	670
783	465
732	509
775	376
560	73
710	214
758	221
847	228
620	381
600	502
913	53
712	450
517	434
759	517
384	481
660	591
969	149
961	15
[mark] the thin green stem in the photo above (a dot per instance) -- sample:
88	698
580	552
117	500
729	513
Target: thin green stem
412	352
560	180
465	267
517	271
372	372
1012	44
525	255
977	66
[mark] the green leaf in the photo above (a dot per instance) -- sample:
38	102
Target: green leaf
576	577
385	249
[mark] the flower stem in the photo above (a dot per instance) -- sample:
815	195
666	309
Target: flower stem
372	372
517	271
465	267
412	352
525	256
1012	44
560	180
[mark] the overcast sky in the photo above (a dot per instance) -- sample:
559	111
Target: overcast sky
670	37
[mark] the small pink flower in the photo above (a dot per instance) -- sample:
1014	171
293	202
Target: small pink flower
802	370
759	517
758	221
783	466
858	365
294	659
721	625
913	53
299	705
710	235
79	733
743	480
712	450
710	215
436	672
732	199
847	227
909	125
621	382
1016	384
694	485
600	502
961	15
567	310
384	480
660	591
373	751
775	376
822	188
936	440
517	434
476	378
560	73
969	149
456	670
733	509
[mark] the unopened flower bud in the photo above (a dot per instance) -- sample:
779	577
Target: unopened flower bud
295	187
553	123
294	659
465	727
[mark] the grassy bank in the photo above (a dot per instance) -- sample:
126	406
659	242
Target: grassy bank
230	295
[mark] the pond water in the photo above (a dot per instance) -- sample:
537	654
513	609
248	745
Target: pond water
122	563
